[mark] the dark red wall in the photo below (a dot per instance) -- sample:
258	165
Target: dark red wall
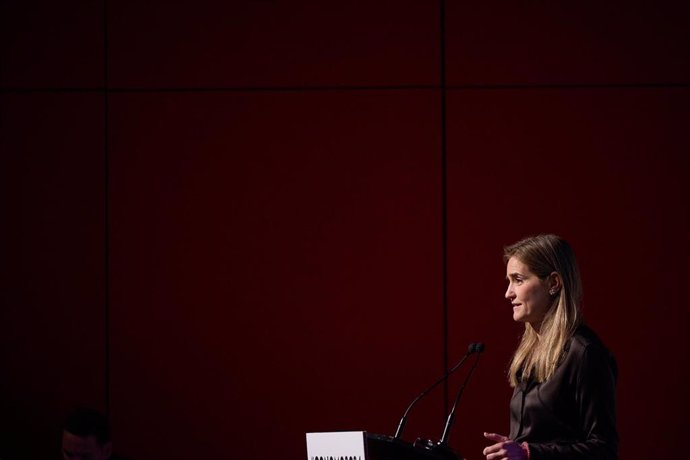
222	221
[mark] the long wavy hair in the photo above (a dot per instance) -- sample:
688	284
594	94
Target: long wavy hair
539	352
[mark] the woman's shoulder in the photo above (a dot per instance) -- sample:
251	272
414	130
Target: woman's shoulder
584	338
585	346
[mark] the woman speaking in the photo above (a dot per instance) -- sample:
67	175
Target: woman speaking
564	378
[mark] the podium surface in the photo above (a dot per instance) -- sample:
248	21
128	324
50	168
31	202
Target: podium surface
360	445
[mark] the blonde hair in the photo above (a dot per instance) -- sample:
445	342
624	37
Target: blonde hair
538	354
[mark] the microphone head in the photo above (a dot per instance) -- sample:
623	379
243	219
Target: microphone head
478	347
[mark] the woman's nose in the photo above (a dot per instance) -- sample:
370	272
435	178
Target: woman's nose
509	292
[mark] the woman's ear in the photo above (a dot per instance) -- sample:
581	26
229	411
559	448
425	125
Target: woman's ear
555	283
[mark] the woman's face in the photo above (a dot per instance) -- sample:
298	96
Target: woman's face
528	294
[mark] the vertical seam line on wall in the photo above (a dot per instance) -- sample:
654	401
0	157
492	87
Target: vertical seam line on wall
106	211
444	202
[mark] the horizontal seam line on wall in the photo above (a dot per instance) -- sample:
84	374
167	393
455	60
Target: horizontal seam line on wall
344	88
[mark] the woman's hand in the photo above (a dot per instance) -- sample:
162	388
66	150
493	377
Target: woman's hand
504	449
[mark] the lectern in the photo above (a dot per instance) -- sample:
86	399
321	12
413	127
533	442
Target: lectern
360	445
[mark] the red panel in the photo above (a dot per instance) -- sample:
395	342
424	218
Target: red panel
51	44
276	266
278	43
607	170
550	42
51	279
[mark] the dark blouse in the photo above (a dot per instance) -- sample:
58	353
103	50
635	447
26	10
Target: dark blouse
573	414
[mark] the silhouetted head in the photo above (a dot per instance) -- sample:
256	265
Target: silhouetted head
86	436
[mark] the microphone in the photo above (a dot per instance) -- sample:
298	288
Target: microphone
473	347
479	348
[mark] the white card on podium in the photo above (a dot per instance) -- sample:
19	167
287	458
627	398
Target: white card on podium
337	445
